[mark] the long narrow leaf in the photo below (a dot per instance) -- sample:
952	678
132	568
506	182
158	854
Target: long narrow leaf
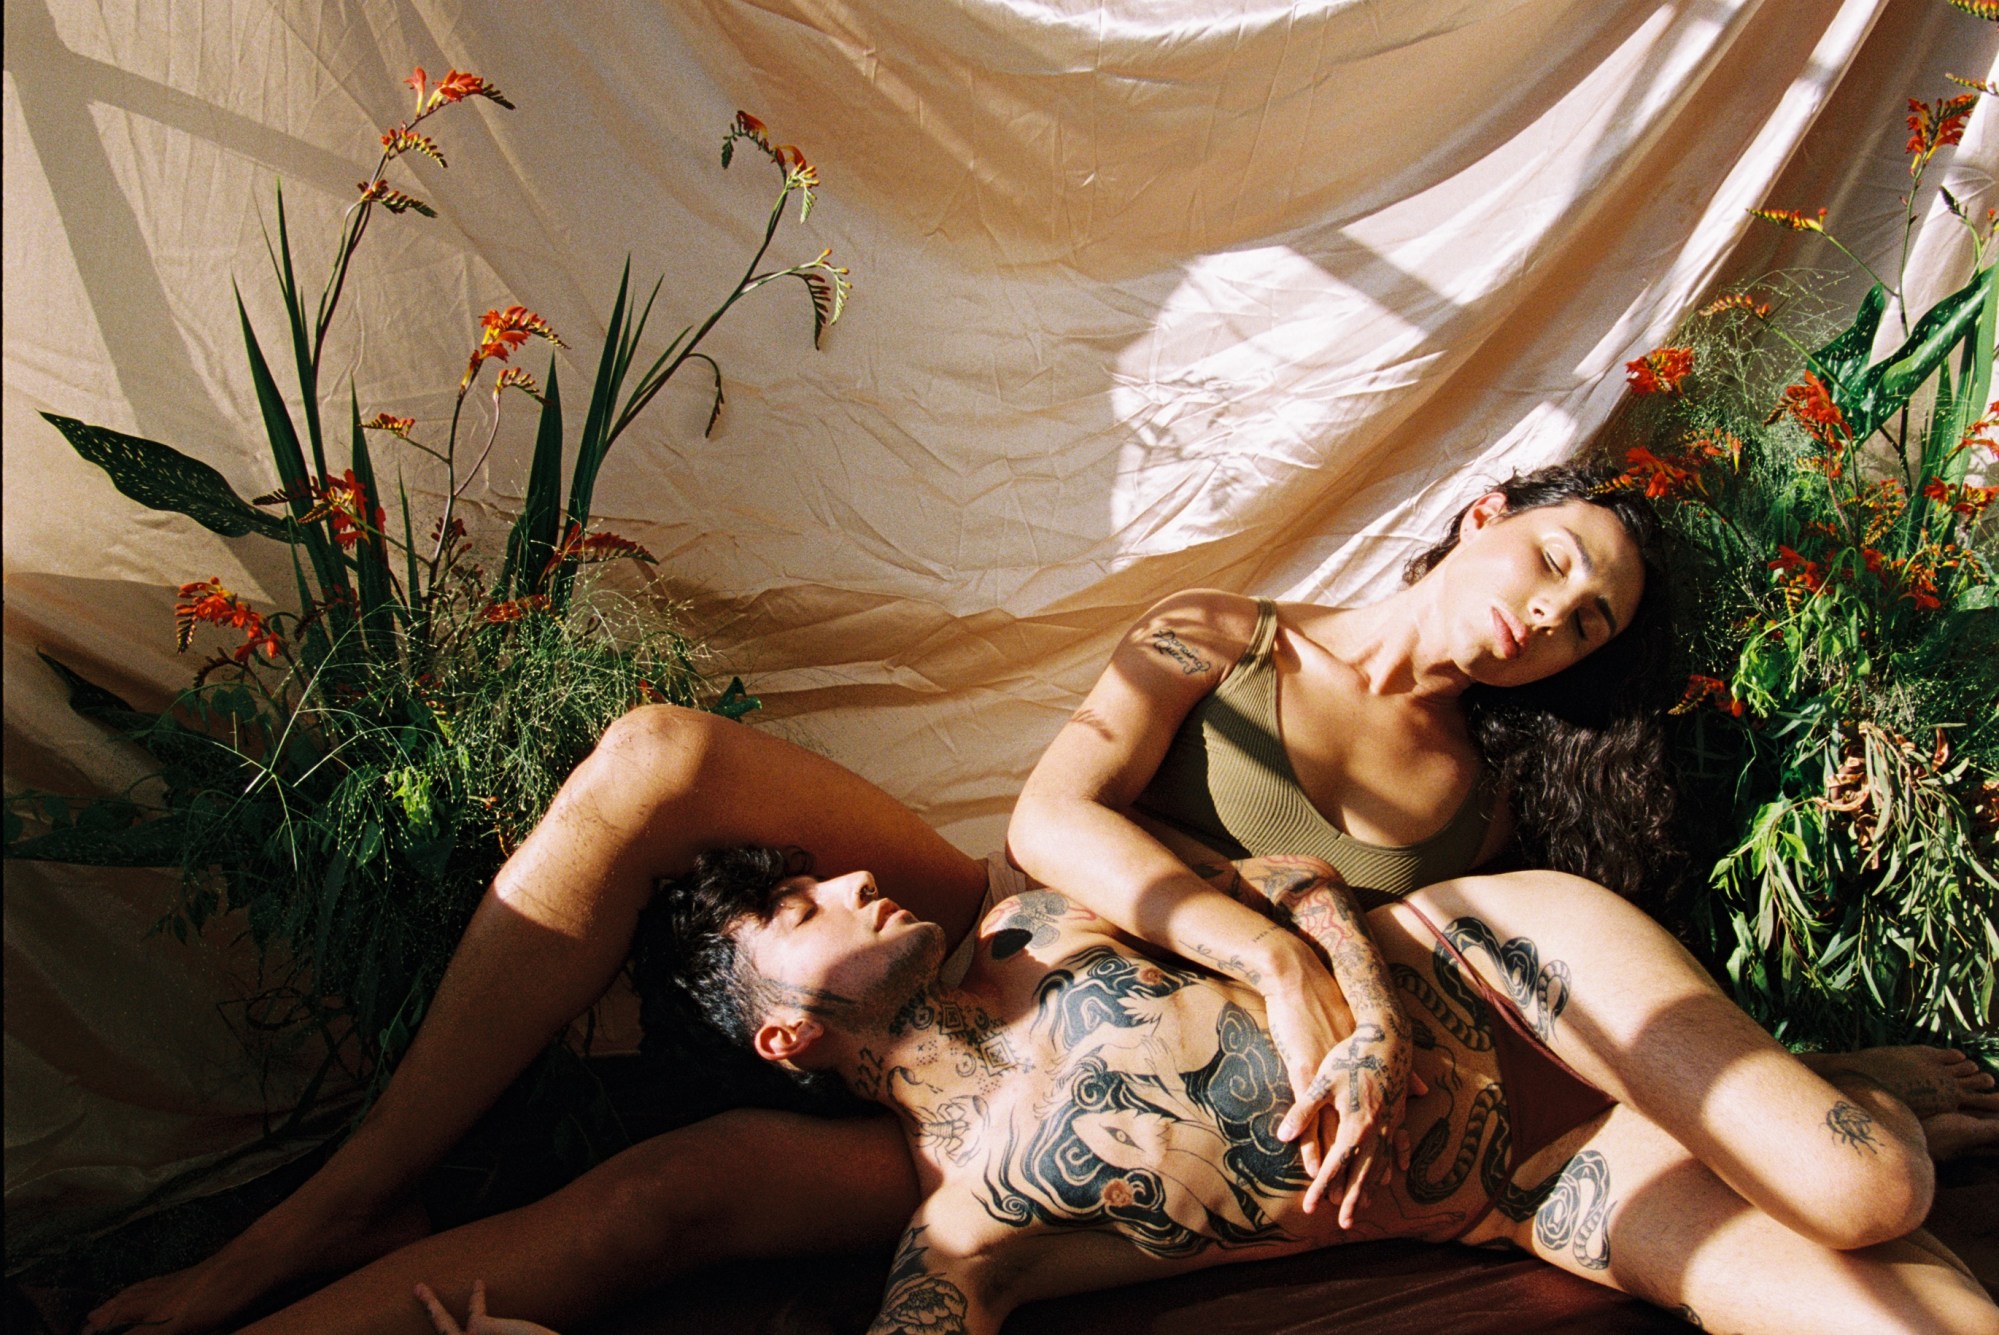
160	477
371	553
308	374
290	461
537	530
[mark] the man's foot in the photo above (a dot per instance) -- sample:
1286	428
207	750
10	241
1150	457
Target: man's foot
249	1269
1953	1133
1930	1080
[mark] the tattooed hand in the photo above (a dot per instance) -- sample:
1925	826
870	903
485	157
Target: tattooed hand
1364	1078
1364	1084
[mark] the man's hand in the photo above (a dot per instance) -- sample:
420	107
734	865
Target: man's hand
477	1322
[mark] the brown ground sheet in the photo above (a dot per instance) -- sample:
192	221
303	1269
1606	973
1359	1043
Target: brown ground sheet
1382	1288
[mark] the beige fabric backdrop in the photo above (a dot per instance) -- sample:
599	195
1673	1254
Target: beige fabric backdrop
1149	293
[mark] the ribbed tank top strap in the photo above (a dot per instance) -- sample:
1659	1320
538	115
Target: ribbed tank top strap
1255	660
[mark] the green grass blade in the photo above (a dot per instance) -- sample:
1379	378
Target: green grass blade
371	553
308	374
534	534
290	460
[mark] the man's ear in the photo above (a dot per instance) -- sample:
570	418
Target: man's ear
787	1041
1482	512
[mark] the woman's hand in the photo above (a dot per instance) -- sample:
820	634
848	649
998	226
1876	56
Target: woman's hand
1363	1085
1362	1080
477	1322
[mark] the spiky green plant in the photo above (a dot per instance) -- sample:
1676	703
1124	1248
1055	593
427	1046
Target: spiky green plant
353	774
1841	724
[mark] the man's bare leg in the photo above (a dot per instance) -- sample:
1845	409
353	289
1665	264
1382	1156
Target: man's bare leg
545	942
739	1186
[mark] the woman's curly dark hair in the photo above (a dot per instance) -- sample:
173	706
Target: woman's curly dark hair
1582	755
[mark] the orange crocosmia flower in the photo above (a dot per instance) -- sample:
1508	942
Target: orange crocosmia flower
1659	476
1793	567
379	191
1964	499
458	85
500	614
1703	688
517	377
344	501
400	139
503	331
209	601
600	547
1811	404
1936	125
1984	9
1792	219
795	165
1659	371
1738	301
753	129
395	426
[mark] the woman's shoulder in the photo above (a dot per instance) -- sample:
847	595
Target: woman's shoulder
1218	617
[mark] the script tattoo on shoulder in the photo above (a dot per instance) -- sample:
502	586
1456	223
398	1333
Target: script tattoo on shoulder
917	1301
1188	658
1173	1161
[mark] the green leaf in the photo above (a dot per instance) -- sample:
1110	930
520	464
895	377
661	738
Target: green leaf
1842	359
736	701
161	842
94	702
290	461
536	531
1881	392
160	477
308	371
371	553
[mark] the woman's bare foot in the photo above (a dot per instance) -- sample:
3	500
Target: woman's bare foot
1930	1080
251	1267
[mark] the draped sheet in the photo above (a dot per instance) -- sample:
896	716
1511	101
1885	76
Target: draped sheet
1148	294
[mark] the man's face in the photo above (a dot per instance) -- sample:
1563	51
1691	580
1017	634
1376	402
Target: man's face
836	950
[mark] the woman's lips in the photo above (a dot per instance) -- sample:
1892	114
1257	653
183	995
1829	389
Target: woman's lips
1504	638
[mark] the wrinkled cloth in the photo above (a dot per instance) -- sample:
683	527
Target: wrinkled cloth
1148	294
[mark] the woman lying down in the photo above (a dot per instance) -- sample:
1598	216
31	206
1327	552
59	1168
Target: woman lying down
1494	703
1084	1112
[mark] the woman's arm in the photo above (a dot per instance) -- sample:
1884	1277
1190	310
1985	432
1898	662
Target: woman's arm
1368	1077
1071	830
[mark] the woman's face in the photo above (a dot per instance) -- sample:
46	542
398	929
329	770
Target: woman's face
1526	594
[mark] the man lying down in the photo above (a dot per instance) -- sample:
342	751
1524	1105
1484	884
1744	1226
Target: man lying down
1084	1114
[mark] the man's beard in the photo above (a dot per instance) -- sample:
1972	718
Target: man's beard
908	971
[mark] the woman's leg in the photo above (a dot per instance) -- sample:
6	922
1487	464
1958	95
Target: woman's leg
1631	1208
743	1185
1840	1162
543	945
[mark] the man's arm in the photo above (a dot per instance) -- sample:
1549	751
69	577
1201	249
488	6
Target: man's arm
1366	1077
931	1292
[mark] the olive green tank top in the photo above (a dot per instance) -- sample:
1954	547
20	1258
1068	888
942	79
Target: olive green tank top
1227	782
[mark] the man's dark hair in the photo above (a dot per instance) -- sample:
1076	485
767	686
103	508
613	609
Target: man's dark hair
698	998
684	955
1583	753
